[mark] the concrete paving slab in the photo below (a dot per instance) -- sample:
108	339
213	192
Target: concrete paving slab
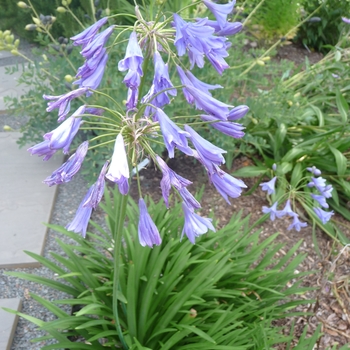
8	322
9	85
25	202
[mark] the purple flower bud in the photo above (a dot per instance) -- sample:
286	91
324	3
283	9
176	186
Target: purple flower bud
320	199
272	210
95	46
346	20
220	11
148	232
172	134
88	34
238	112
188	199
118	171
274	167
62	136
63	102
82	217
314	170
131	101
287	210
97	189
208	103
296	224
324	216
229	28
226	127
170	178
133	57
91	77
68	169
195	225
209	154
42	149
93	110
161	82
227	185
269	186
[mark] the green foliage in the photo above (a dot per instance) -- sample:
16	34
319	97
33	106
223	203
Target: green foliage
323	34
273	19
224	292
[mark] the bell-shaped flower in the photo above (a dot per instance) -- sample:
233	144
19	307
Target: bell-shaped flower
97	189
82	217
318	182
269	186
296	224
42	149
198	40
209	154
314	170
133	58
173	136
324	216
63	135
147	230
346	20
170	178
195	225
227	185
185	81
272	210
208	103
320	199
89	33
229	28
220	11
200	85
238	112
287	210
118	171
327	191
68	169
189	199
95	46
161	85
91	77
62	102
226	127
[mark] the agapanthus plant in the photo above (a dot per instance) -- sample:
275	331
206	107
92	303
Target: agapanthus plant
156	52
300	193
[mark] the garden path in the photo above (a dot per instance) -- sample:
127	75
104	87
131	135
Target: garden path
25	203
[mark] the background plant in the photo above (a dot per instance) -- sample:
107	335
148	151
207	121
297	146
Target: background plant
323	32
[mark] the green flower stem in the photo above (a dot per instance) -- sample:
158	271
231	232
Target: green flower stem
120	215
144	70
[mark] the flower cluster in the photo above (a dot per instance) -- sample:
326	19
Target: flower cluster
144	117
324	192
